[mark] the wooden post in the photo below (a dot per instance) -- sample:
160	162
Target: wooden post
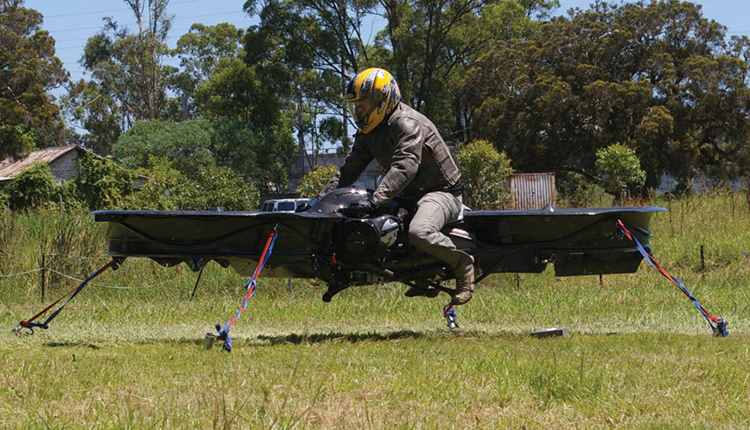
601	280
43	278
669	212
518	280
703	260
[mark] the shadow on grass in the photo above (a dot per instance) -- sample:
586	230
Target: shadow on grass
262	340
71	345
297	339
267	340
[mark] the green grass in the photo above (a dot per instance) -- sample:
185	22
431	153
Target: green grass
638	355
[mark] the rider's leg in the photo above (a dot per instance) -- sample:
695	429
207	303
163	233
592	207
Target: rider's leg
434	211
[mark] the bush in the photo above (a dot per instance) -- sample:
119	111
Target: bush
169	189
485	173
578	191
33	188
68	194
260	154
620	170
162	188
222	187
101	183
316	180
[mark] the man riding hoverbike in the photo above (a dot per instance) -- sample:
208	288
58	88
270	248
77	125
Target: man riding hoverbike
418	169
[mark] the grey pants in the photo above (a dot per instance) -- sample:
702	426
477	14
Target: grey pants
434	211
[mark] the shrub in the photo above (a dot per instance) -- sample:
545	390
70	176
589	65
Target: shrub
169	189
316	180
101	183
485	173
578	191
222	187
619	169
33	188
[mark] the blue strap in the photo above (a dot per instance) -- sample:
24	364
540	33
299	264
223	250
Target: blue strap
718	325
223	330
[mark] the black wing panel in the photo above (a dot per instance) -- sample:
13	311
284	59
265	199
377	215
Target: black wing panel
236	238
576	241
581	241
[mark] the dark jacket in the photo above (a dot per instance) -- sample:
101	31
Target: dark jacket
410	150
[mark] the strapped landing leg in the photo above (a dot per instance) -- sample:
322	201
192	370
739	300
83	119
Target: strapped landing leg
28	326
197	281
719	326
222	331
333	289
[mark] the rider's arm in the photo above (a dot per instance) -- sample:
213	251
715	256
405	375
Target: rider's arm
356	162
407	156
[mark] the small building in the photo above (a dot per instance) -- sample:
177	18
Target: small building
63	162
533	190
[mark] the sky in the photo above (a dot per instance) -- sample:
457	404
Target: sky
71	22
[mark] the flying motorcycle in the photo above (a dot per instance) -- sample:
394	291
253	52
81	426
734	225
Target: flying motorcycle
320	242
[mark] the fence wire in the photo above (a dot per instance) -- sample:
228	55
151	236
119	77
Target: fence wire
13	275
115	287
70	277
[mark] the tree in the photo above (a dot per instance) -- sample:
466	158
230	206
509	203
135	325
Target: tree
429	45
485	173
97	111
199	51
658	76
253	132
129	78
316	180
29	68
620	170
311	48
189	145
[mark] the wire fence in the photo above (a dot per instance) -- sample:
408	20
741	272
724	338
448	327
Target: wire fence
14	275
45	270
114	287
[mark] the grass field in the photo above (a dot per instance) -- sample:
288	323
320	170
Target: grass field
128	352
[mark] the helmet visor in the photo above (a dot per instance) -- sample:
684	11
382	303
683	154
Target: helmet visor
361	110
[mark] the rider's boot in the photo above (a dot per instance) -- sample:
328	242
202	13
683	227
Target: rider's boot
464	281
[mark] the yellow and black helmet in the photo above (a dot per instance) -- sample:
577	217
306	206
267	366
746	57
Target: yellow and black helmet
374	94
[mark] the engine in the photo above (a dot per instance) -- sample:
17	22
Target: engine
366	240
359	241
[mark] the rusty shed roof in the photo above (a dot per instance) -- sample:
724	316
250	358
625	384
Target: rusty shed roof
10	168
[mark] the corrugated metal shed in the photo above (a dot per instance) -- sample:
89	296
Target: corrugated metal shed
10	168
533	190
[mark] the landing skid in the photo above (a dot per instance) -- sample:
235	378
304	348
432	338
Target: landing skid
333	289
